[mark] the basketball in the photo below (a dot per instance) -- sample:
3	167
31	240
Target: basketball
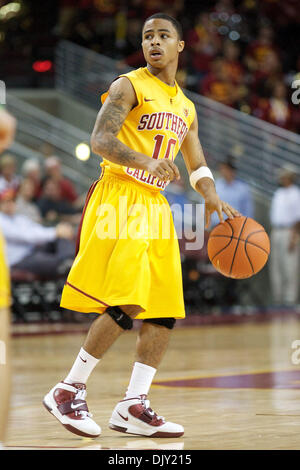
239	247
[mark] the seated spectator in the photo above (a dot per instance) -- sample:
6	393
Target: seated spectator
276	109
233	190
24	202
233	66
52	207
30	246
31	170
204	44
217	84
268	71
236	74
8	177
203	55
202	30
258	51
67	189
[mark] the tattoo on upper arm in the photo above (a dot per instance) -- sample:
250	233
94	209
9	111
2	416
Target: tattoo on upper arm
109	122
113	115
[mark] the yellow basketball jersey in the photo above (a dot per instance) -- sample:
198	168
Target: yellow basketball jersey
4	278
156	127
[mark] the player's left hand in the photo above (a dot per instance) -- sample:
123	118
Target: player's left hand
213	203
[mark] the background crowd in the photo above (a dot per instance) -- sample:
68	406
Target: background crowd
243	53
39	214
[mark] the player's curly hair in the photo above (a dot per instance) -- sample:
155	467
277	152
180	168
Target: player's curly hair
172	20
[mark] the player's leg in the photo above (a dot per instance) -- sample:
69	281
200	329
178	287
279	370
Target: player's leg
152	341
133	414
5	372
66	400
105	330
102	334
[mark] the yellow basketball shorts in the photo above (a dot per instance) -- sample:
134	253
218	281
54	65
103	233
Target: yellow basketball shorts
128	252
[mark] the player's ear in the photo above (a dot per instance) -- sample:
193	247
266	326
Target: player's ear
181	45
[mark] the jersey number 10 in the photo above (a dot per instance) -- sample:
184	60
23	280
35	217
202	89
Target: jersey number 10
158	143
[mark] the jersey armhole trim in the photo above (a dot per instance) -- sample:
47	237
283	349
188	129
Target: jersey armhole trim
105	95
135	91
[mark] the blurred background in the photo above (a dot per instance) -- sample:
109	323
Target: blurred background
239	67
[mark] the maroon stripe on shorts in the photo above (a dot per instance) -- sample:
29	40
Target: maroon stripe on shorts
87	295
88	197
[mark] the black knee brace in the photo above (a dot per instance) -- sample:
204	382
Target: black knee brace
121	318
167	322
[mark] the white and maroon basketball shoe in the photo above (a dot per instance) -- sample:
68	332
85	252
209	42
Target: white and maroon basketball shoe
134	416
67	403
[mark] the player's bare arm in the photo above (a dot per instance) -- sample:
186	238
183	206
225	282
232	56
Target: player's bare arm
104	142
192	152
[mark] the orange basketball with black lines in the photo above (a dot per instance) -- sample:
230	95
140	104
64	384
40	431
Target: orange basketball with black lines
239	247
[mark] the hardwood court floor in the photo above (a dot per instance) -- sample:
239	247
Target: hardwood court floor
231	387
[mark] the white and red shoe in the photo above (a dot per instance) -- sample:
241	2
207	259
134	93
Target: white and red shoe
67	403
134	416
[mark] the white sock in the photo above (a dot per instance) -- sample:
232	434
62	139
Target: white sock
82	368
140	381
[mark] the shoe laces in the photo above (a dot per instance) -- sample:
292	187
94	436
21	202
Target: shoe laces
146	404
80	395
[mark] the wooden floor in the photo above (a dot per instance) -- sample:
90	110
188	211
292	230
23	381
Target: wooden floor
231	387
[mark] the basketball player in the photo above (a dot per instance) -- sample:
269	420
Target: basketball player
7	132
144	120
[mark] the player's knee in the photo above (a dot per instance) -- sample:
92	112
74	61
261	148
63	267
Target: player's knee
131	310
120	317
166	322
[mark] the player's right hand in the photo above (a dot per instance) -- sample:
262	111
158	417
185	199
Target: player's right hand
164	169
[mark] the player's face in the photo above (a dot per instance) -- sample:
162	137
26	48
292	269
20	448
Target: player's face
161	43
